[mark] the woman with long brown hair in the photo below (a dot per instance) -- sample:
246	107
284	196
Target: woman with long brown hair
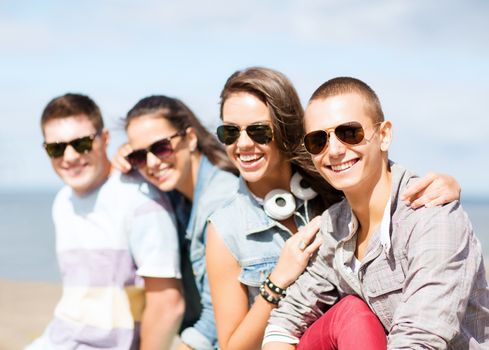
261	240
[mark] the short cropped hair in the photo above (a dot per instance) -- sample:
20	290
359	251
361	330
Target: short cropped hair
347	85
72	105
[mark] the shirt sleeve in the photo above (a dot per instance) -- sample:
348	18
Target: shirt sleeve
279	335
153	237
443	259
308	298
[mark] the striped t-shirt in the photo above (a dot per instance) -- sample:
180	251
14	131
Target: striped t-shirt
106	242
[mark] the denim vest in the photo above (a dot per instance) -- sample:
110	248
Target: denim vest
214	187
253	238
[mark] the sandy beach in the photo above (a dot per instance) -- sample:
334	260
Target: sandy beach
27	307
25	310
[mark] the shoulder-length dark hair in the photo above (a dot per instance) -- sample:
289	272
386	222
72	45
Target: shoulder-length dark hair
181	117
279	95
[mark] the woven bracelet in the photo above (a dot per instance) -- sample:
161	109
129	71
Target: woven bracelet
267	296
274	288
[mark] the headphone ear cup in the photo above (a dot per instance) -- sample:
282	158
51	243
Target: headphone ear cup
300	188
279	204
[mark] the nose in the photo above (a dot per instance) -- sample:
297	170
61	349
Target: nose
336	148
244	141
70	154
152	160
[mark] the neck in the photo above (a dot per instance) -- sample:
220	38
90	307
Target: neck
187	187
369	201
282	178
99	181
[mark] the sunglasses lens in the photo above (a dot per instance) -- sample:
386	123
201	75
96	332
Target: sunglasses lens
228	134
259	133
351	133
55	150
82	145
315	141
137	158
162	149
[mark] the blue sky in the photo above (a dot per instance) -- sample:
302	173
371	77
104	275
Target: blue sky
428	61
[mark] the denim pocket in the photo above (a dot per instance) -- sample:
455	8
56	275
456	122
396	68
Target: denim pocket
253	274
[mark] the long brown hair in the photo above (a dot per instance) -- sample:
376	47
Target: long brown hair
181	117
279	95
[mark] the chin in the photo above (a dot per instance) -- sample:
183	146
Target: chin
167	185
80	188
253	176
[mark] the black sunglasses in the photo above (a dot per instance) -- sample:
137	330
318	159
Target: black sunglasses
81	145
161	149
349	133
260	133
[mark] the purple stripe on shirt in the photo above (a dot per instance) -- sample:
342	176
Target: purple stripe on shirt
97	267
80	336
154	205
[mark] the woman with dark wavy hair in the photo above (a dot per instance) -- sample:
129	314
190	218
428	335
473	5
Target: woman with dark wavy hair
171	148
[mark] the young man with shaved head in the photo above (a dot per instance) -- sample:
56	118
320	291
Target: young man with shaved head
420	272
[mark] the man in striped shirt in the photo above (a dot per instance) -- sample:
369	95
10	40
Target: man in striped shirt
116	243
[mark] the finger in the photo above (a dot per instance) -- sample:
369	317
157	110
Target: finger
436	202
416	188
450	188
308	232
311	248
439	200
119	161
125	149
427	197
121	164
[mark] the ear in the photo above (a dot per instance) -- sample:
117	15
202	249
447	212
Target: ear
385	132
105	137
192	139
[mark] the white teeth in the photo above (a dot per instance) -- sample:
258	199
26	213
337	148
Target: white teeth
343	166
160	172
248	157
74	170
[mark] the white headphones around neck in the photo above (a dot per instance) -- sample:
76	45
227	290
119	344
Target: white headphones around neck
279	204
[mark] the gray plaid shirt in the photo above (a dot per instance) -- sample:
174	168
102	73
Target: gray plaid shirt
428	286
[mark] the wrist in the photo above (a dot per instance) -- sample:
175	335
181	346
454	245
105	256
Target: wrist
269	297
274	288
279	281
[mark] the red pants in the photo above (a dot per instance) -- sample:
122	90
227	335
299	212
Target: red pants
349	324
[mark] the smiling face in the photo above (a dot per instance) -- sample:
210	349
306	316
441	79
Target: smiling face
261	165
169	173
82	172
350	168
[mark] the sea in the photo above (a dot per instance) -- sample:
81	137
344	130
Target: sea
27	251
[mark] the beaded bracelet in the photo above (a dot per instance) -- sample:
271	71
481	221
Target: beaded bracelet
274	288
267	296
